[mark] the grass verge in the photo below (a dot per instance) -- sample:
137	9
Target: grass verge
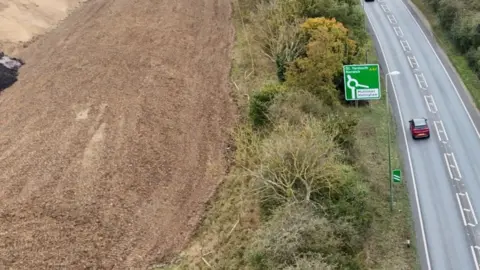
234	215
459	61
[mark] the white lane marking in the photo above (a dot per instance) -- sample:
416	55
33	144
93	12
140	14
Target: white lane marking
405	45
422	83
398	31
471	208
385	8
440	130
392	19
432	107
475	258
409	157
448	166
413	62
444	69
461	212
452	164
456	165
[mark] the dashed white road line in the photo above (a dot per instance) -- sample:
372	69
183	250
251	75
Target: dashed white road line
452	165
405	45
422	83
471	208
392	19
477	267
432	107
461	211
385	8
448	166
413	62
456	165
398	31
440	130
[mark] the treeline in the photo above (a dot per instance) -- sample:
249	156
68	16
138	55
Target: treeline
308	188
461	20
314	197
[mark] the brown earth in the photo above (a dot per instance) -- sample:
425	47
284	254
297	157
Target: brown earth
114	136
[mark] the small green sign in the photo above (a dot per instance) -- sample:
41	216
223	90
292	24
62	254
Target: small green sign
362	82
397	176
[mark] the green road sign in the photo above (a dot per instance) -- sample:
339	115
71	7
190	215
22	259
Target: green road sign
396	176
362	82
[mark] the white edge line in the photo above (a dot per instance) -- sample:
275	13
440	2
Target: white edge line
474	258
427	255
444	69
471	208
456	165
448	166
438	132
461	210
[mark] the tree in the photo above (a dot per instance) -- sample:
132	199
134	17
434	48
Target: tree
328	48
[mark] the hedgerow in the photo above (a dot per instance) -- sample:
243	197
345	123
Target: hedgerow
301	195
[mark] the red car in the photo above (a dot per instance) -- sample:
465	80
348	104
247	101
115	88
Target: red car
419	128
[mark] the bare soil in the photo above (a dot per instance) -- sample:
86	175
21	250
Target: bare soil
114	136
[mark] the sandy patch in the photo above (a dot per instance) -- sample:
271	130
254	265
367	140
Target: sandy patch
20	20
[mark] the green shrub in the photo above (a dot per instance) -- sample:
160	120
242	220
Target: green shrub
275	28
260	102
294	231
448	12
473	58
342	126
293	106
314	262
299	163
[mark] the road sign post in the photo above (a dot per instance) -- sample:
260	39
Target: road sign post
397	176
362	82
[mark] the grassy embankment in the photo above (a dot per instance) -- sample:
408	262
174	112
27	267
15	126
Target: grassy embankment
454	25
309	186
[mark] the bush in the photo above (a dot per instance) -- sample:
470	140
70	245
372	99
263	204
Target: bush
342	126
275	27
315	262
328	48
293	106
260	103
448	12
294	231
299	163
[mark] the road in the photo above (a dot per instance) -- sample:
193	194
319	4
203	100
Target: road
443	179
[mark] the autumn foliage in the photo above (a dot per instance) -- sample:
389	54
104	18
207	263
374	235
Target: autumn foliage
328	48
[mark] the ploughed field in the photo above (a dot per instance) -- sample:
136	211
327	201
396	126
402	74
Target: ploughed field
114	136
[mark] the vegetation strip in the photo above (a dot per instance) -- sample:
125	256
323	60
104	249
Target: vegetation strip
310	186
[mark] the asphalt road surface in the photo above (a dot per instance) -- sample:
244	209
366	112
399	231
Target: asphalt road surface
441	172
